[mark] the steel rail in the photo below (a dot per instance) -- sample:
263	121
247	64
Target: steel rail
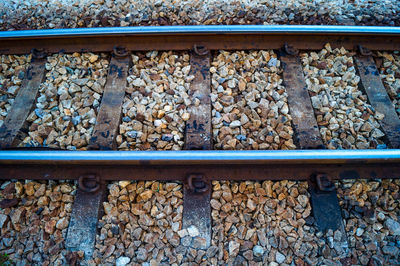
202	29
193	157
214	37
214	165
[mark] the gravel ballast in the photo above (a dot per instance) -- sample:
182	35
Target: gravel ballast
12	72
68	101
250	109
34	218
154	108
371	212
141	224
345	118
253	223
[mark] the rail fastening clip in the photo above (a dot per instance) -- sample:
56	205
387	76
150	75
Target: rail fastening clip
290	50
120	51
89	183
200	50
363	50
38	53
197	183
324	184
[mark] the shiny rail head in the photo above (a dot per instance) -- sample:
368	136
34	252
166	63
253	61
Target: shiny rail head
203	29
201	157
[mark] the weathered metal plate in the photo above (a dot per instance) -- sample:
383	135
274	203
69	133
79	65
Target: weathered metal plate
326	209
109	116
197	213
23	103
379	99
198	127
82	229
196	206
327	214
303	118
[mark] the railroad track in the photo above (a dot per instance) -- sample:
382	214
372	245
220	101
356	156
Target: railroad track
198	164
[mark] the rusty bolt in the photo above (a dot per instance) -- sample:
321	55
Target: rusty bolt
197	183
89	183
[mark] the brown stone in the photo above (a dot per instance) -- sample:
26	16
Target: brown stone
8	203
146	195
50	226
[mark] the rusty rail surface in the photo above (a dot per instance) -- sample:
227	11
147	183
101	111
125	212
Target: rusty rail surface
215	165
241	37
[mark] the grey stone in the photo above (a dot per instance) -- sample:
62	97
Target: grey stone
234	248
76	120
262	237
211	251
8	241
186	241
193	231
258	251
122	261
37	258
141	254
239	261
393	226
391	250
132	134
3	219
273	62
279	257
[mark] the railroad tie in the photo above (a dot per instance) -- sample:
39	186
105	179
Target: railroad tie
92	191
324	201
82	228
109	116
303	118
197	188
24	102
378	98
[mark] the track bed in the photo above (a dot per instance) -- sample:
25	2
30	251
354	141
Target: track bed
205	112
